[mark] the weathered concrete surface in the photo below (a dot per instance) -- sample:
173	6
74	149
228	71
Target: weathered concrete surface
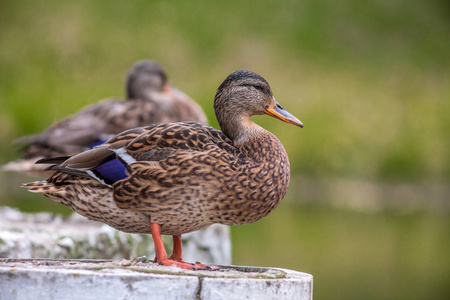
77	279
47	236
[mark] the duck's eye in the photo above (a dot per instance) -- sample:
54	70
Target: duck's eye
257	86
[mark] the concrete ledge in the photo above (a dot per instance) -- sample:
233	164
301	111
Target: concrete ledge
124	279
43	235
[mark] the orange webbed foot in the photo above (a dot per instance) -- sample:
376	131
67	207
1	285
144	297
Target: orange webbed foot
188	266
176	259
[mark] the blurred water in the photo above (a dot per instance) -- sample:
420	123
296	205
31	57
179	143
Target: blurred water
353	254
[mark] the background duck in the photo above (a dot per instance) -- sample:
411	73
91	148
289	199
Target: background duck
180	177
150	100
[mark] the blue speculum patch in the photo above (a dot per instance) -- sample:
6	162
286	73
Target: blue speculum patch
111	171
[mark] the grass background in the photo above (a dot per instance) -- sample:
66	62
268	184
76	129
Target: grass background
370	81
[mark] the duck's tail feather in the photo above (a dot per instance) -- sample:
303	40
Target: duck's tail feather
76	172
52	160
22	165
99	163
42	187
29	139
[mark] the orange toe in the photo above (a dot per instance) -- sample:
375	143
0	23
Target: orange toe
187	266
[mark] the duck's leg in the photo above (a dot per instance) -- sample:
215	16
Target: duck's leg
175	259
177	253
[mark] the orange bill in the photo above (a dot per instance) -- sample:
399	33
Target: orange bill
277	111
167	88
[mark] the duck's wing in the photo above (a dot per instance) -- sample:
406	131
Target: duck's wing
189	136
75	133
165	164
88	160
97	123
144	154
146	144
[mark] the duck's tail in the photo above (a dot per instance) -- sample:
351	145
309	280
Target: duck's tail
42	187
26	166
55	185
22	165
36	166
29	139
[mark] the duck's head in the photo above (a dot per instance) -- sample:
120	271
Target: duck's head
243	94
144	78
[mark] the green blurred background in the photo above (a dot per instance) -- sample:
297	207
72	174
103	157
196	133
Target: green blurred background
367	211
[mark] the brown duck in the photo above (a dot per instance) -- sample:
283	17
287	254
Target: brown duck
180	177
150	100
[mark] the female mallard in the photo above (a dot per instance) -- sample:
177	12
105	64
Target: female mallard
150	100
180	177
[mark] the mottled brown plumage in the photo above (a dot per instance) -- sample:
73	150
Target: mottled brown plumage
150	100
181	177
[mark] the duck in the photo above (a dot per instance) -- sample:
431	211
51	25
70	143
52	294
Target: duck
150	99
175	178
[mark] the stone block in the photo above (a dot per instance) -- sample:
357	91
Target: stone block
123	279
44	235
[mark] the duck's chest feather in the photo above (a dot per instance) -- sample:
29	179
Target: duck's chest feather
258	186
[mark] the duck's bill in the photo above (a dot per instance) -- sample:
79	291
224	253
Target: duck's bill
277	111
167	88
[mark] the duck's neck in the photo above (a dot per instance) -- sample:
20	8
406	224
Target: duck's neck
252	139
240	129
158	98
